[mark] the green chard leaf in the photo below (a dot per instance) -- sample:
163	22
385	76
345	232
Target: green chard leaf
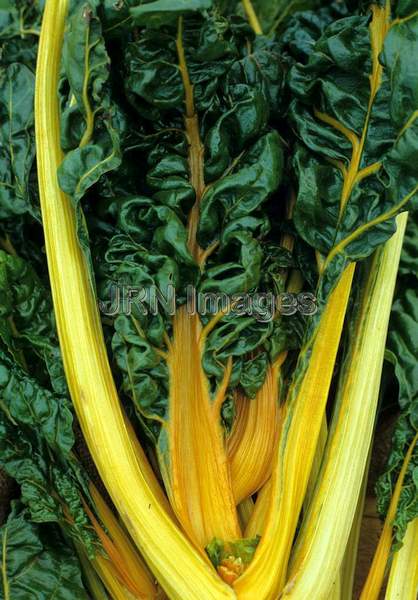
237	81
19	31
355	163
92	124
90	119
17	147
160	12
273	13
409	256
31	405
304	29
37	563
36	439
27	324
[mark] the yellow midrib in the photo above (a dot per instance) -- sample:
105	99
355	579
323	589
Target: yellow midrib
366	226
195	150
379	27
6	586
265	575
351	176
252	17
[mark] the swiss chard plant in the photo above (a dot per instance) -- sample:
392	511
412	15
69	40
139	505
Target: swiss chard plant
206	264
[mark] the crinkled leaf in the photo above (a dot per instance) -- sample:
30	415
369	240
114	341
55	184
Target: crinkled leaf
19	18
36	438
161	12
145	374
273	13
27	325
28	404
409	256
305	28
402	343
90	120
37	563
347	198
17	147
237	83
240	193
19	31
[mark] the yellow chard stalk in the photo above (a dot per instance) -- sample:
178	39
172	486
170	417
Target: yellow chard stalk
403	577
306	403
349	564
323	538
258	519
374	581
245	511
131	568
265	577
192	449
316	465
252	17
111	580
93	392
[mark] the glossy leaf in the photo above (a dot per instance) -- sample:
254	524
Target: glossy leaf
160	12
27	325
235	90
37	563
273	13
91	121
36	439
16	140
355	164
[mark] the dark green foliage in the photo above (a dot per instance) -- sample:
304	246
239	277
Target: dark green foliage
37	563
349	226
36	439
237	82
258	106
17	148
27	325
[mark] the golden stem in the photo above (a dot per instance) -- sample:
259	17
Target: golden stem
252	17
165	548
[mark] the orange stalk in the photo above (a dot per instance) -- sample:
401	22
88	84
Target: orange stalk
137	580
129	557
111	580
194	462
253	440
